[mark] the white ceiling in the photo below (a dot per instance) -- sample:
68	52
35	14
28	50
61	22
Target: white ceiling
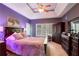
47	6
59	10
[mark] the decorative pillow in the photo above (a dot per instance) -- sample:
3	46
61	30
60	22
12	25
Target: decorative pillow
23	34
11	37
18	36
14	33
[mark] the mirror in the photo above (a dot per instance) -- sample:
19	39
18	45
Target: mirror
75	25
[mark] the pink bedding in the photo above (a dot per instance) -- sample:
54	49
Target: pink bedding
30	46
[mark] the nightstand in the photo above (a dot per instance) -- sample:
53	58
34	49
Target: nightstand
2	48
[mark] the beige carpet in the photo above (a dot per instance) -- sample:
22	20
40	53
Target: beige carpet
54	49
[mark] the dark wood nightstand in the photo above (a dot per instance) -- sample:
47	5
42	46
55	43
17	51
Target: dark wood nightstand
2	48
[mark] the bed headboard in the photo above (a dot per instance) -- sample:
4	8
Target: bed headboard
10	30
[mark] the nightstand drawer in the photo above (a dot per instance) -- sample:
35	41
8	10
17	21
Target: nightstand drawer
2	49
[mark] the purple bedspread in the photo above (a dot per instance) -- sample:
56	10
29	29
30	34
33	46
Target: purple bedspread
25	47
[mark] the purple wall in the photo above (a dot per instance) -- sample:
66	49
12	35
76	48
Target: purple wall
34	22
7	12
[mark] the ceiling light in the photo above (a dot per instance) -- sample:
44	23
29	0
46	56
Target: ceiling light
41	10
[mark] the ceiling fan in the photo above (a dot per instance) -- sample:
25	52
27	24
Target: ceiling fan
42	7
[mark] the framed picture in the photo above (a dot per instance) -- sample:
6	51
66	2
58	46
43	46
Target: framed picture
13	22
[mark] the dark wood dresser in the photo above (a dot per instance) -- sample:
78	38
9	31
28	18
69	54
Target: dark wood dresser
65	44
71	45
75	47
2	48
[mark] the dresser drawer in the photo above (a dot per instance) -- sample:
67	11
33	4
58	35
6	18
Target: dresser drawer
74	51
75	44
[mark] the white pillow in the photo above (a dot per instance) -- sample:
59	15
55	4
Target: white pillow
18	36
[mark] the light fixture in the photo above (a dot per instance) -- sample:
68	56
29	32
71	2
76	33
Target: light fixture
1	29
42	8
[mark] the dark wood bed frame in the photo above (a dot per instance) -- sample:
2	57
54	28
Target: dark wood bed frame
9	31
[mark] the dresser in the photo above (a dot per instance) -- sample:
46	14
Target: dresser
65	44
71	45
2	48
75	47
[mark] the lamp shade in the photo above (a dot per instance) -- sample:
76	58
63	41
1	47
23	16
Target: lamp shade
1	29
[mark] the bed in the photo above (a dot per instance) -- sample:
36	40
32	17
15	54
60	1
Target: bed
26	46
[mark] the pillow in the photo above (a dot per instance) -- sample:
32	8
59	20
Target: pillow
23	34
11	38
14	33
18	36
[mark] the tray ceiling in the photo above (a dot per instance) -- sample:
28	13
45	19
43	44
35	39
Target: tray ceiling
30	10
47	6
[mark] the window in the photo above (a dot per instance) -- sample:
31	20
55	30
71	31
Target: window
44	29
28	29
